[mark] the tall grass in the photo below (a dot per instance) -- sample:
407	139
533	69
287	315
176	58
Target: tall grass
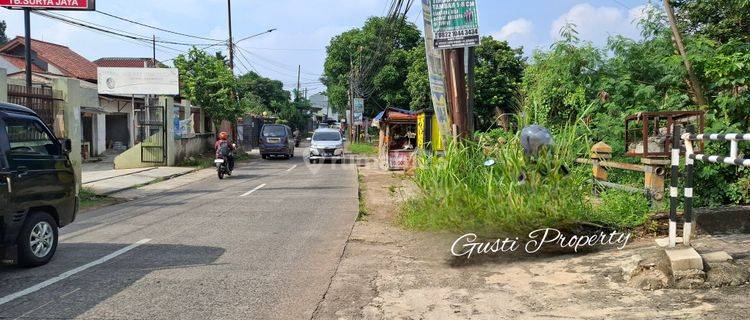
459	192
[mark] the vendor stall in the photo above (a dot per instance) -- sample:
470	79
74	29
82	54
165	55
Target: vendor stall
429	140
398	137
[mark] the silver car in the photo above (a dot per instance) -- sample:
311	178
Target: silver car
326	144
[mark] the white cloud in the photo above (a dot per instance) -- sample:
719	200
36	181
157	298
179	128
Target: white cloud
596	24
516	28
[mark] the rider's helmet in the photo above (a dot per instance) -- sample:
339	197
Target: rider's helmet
223	136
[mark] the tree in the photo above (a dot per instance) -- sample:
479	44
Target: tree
417	80
720	20
379	55
267	90
559	83
206	81
3	37
499	72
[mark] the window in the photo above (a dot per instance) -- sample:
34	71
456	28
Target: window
27	136
326	136
274	131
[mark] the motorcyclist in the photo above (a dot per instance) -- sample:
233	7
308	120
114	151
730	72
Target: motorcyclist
225	150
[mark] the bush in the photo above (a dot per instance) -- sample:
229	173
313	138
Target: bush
459	193
619	208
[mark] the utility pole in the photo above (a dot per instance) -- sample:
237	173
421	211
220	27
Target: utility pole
231	43
471	62
455	87
27	53
153	59
299	71
695	83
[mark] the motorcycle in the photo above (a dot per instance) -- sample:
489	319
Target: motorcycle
222	164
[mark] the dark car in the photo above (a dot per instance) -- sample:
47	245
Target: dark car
276	140
38	192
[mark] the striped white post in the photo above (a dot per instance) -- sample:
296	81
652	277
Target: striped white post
673	192
690	157
687	228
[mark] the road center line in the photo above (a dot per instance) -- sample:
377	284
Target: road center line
70	273
292	168
251	191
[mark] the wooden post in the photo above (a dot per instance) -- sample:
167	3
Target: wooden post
600	152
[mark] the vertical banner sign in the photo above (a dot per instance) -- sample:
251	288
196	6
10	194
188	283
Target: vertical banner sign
359	110
435	70
455	23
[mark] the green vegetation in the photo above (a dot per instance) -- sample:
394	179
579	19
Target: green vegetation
363	149
361	194
89	200
206	80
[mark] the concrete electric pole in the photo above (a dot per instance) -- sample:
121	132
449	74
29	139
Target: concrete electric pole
231	43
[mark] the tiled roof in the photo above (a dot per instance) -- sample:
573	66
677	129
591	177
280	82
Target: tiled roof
69	62
19	62
113	62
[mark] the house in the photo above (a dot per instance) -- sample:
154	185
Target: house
321	109
51	59
195	131
53	64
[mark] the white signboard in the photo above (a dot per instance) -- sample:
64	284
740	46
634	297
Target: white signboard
130	81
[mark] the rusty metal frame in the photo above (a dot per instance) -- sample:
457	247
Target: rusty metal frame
657	117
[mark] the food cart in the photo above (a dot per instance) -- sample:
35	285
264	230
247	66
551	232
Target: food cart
398	137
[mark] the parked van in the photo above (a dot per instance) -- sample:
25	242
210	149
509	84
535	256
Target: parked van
37	187
276	140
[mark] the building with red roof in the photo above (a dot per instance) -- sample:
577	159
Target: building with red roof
49	58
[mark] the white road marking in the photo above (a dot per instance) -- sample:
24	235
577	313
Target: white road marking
292	168
69	273
251	191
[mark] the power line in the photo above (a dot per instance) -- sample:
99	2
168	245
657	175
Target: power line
255	35
155	28
90	25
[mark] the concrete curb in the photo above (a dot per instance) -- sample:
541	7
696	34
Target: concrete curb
161	179
121	175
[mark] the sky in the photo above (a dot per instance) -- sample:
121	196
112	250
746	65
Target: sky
304	28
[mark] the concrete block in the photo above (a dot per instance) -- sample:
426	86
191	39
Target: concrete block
684	259
664	242
716	257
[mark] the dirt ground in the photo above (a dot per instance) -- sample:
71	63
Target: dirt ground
388	272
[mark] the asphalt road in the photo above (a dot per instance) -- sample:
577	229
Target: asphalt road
261	244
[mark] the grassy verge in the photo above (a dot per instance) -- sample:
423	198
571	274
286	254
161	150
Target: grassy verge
362	201
363	149
458	192
90	201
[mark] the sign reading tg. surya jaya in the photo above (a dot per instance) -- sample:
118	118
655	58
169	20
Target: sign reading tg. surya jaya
50	4
455	23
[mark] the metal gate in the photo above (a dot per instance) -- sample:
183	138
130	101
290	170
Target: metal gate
40	99
152	132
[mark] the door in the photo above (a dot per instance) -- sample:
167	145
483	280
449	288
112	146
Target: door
4	183
153	133
39	173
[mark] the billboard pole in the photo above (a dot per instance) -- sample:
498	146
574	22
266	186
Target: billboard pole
27	53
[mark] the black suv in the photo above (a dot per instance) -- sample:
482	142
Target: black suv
38	191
